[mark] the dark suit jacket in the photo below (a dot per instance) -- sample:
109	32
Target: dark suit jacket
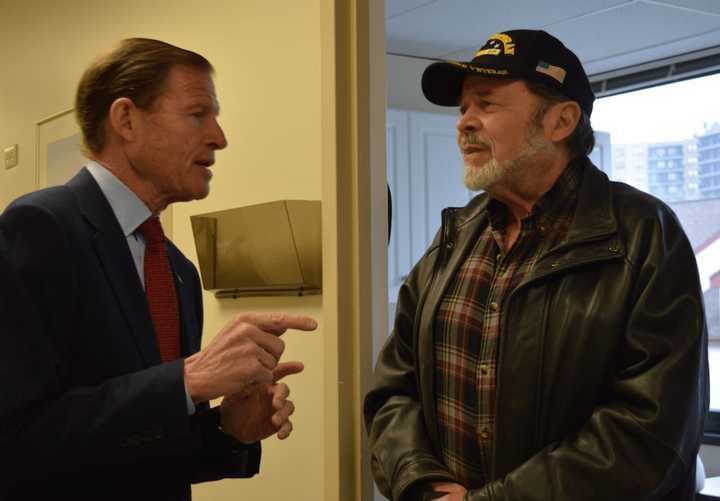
88	411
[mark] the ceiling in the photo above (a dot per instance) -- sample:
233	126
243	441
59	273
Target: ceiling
605	34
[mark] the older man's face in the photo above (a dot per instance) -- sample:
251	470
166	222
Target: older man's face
497	134
178	137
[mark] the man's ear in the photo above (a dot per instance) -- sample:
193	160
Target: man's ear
122	119
564	118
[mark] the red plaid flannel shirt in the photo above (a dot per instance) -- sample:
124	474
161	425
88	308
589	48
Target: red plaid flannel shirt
468	326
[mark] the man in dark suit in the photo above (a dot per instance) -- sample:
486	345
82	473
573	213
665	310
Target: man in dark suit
106	387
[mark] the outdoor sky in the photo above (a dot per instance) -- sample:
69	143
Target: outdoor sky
672	112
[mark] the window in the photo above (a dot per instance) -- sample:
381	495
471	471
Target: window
680	123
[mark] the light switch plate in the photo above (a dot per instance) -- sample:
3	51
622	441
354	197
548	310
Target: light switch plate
11	156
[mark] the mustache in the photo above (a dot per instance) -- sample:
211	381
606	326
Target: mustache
466	139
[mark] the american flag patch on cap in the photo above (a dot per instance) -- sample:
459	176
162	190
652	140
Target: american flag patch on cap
554	71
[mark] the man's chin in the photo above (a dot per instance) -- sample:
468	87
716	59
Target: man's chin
196	193
481	178
202	190
202	194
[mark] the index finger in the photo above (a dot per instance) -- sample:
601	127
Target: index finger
278	323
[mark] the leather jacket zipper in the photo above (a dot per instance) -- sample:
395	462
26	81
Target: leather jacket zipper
556	268
447	239
445	246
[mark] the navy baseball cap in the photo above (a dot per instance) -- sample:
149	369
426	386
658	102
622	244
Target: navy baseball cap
523	54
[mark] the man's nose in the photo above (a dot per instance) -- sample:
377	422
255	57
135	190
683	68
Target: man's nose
468	123
217	137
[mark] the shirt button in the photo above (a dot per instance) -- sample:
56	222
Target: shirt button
484	369
494	306
541	228
499	256
484	433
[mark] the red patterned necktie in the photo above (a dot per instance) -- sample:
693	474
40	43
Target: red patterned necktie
160	290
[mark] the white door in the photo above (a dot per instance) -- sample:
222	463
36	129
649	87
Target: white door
436	169
425	175
424	172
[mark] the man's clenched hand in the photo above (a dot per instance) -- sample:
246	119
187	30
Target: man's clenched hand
261	410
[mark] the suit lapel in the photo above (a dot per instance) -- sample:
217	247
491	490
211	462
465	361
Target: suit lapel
117	263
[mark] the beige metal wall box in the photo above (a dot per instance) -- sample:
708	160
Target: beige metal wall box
269	249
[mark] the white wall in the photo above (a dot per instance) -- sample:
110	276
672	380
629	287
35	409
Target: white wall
404	91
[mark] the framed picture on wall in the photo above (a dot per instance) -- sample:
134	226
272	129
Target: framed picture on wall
59	155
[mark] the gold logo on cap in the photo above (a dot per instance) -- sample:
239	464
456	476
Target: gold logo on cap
499	43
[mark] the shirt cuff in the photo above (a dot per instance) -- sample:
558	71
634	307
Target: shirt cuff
188	401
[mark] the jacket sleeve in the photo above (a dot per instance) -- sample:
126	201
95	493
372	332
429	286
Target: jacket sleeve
641	441
216	455
401	452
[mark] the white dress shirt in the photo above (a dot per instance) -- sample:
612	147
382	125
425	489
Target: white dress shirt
130	212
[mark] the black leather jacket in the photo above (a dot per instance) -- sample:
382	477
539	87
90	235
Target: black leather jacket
602	387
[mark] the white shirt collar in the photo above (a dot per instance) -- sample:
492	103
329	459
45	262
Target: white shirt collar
129	210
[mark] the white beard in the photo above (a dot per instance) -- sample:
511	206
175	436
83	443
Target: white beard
493	172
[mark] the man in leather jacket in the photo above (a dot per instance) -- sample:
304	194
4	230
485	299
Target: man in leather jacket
551	343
